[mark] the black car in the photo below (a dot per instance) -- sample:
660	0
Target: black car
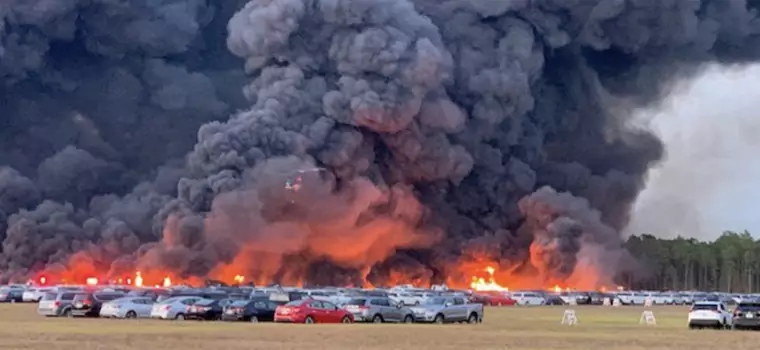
11	294
553	299
89	304
747	315
251	310
207	309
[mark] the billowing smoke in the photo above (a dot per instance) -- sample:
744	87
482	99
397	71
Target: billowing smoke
419	134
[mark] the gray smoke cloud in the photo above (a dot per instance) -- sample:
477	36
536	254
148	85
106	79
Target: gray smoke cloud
448	129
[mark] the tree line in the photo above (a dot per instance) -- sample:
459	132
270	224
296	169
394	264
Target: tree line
731	263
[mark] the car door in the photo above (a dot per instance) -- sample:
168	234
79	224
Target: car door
315	308
331	312
269	314
390	311
726	315
397	310
461	308
143	307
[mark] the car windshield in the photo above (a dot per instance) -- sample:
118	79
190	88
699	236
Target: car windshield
704	307
356	302
749	306
435	301
240	303
205	302
80	297
296	303
166	300
5	290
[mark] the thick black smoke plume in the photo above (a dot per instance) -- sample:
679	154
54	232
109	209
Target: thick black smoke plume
450	128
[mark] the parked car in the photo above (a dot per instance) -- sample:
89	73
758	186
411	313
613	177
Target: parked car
197	293
405	298
89	304
34	294
528	298
56	304
252	311
11	294
709	314
312	311
127	307
747	315
173	308
577	298
493	299
207	309
153	293
448	310
379	310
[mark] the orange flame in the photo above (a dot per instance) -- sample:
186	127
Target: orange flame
138	279
167	281
239	279
92	281
487	284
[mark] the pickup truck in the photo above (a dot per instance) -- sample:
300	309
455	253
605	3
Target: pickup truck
448	310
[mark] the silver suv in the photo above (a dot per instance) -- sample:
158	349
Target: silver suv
56	304
378	310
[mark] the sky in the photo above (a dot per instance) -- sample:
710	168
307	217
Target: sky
709	181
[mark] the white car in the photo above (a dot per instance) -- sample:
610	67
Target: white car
528	298
632	298
710	314
404	298
173	308
128	307
659	298
34	294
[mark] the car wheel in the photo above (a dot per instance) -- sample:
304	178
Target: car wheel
179	317
308	320
377	319
67	313
438	319
131	314
254	319
473	319
417	303
345	319
409	319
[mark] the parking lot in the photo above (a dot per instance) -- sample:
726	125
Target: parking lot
503	328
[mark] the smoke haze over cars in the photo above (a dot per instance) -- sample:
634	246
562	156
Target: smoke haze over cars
134	137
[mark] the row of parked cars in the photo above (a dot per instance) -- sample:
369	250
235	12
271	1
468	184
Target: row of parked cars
251	304
716	314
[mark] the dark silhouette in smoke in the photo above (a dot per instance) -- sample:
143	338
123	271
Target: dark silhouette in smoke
457	126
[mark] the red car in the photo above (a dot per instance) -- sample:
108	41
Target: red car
494	299
312	311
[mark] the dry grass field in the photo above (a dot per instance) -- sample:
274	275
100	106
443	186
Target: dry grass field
514	328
